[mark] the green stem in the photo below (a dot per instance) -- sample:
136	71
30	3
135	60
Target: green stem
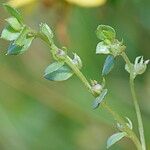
135	101
79	74
138	113
126	129
118	119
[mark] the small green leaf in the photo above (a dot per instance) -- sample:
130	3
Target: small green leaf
58	72
99	99
9	34
46	31
14	12
108	65
115	138
22	37
14	49
105	32
102	48
53	67
13	22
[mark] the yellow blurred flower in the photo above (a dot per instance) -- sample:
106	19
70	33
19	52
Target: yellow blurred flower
83	3
19	3
87	3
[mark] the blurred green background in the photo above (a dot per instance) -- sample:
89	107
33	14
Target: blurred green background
36	114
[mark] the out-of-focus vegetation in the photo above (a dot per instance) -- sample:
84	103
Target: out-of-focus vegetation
37	114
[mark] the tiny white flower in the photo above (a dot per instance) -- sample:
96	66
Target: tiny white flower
139	66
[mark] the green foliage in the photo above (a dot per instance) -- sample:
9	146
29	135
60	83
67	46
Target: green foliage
16	32
108	65
9	34
58	71
115	138
15	49
105	32
14	23
21	37
46	31
14	12
99	99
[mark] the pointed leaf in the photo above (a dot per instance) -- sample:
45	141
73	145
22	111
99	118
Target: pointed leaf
115	138
9	34
15	49
53	67
22	37
13	22
14	12
105	32
99	99
46	31
108	65
58	72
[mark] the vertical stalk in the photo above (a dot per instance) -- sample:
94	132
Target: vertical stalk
135	101
138	113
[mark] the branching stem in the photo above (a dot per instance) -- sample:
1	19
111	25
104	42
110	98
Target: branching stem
80	75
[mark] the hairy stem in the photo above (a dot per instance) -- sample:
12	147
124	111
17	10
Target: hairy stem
135	101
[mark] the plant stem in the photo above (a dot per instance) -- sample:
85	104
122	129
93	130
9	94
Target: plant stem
126	129
121	121
135	101
79	74
138	113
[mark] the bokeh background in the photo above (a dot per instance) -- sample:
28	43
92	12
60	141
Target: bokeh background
36	114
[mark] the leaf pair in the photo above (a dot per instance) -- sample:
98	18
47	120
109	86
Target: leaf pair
107	36
58	71
16	32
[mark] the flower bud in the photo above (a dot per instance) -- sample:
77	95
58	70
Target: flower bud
60	54
139	66
96	87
